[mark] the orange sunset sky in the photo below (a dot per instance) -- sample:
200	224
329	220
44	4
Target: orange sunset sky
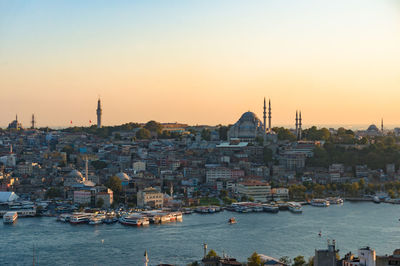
200	62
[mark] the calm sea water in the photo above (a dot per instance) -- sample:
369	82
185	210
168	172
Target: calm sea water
352	225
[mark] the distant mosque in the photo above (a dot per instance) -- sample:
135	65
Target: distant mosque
15	124
249	127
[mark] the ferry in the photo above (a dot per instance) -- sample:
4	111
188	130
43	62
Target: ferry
295	207
134	220
335	200
80	218
320	203
10	217
270	208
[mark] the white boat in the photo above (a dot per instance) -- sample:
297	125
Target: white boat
10	217
376	199
134	220
80	218
320	203
295	207
335	200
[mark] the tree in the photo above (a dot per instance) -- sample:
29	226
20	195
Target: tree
98	165
223	132
299	261
153	126
267	155
115	184
284	134
311	261
143	133
53	192
212	254
100	203
254	260
286	260
206	134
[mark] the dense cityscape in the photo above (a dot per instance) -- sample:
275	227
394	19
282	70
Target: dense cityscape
137	174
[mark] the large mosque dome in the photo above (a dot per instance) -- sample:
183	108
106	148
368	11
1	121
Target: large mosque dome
247	128
373	128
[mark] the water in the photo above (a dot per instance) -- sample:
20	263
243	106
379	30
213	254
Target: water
353	225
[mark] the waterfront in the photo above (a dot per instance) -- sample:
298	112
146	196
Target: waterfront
353	225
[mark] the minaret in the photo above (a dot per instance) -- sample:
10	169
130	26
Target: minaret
98	111
86	169
33	121
265	116
300	130
297	124
269	115
382	125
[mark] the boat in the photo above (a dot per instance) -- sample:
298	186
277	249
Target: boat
270	208
65	217
232	220
335	200
134	220
295	207
10	217
95	220
320	203
376	199
320	233
80	218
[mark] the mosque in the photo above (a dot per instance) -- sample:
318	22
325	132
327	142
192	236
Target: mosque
249	127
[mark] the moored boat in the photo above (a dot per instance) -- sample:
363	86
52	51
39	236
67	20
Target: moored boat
320	203
335	200
295	207
270	208
80	218
10	217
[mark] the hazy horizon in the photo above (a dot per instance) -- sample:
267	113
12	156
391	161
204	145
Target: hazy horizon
200	62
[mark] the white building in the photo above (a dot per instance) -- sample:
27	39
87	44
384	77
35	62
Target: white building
259	191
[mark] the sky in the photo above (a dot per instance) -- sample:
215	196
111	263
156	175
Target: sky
199	62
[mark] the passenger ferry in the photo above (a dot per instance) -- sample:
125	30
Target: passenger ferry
134	220
335	200
295	207
270	208
320	203
10	217
80	218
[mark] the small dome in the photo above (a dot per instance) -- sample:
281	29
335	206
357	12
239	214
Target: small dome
123	177
75	174
373	128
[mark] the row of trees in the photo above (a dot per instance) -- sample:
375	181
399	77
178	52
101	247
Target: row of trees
376	156
255	260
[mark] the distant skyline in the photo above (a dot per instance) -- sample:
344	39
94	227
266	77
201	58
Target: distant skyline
200	62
